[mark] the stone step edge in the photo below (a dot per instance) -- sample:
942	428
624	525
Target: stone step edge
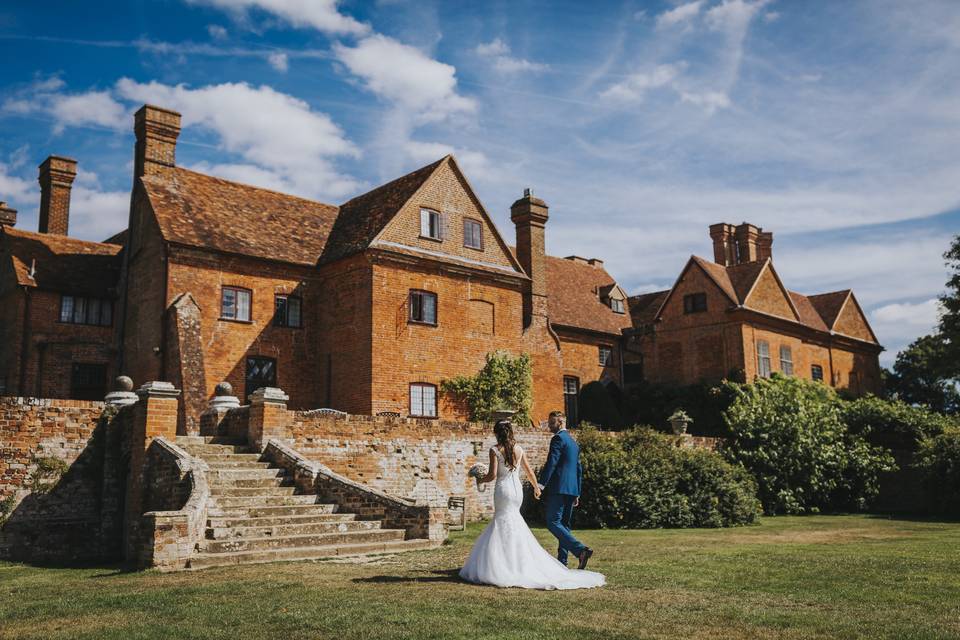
299	554
386	533
259	521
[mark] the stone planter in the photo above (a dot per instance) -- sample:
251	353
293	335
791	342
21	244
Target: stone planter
502	414
679	427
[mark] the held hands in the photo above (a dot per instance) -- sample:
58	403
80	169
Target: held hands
576	501
536	491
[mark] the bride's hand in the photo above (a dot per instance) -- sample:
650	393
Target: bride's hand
536	492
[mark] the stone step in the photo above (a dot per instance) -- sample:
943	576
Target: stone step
204	450
232	475
218	484
252	462
288	529
187	440
310	540
218	458
274	488
207	560
224	522
226	502
268	510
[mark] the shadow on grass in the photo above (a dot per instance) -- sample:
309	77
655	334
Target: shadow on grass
446	575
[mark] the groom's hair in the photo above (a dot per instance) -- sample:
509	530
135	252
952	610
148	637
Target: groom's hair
556	414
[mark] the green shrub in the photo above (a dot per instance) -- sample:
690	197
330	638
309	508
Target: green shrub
505	382
6	507
939	460
652	403
893	423
640	479
47	473
789	434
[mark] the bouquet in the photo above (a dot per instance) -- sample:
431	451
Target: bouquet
477	472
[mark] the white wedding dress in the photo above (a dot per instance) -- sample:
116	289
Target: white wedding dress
508	555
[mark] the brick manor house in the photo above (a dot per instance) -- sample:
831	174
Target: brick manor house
368	306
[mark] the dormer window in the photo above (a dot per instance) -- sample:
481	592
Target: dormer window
430	224
616	305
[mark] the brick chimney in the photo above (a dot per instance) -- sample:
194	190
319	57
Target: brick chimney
724	244
157	131
747	236
765	245
56	179
8	216
529	214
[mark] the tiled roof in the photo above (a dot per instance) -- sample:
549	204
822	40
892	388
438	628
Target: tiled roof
61	263
719	275
644	307
573	300
202	211
118	238
363	217
828	305
743	276
808	314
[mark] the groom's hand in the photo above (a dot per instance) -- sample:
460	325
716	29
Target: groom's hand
576	501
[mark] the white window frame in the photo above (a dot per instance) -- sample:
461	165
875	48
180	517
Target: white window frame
786	360
470	223
764	369
423	400
431	224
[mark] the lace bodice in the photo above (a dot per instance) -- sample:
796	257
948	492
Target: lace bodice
503	470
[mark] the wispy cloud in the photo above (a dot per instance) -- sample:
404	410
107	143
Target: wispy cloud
321	15
498	52
679	15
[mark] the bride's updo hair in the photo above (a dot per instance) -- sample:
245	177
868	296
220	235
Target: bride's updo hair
504	432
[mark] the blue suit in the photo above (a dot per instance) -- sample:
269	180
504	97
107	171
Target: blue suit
560	478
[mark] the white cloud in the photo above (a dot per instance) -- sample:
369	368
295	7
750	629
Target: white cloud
278	60
499	52
771	16
733	15
279	134
683	13
709	100
636	86
321	15
217	32
920	314
405	76
95	213
90	108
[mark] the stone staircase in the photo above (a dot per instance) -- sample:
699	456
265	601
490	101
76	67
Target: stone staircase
254	514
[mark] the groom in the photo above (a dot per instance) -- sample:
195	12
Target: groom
560	482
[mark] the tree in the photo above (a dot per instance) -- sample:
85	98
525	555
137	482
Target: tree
950	320
920	375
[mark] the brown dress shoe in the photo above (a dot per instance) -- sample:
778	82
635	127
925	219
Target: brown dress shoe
585	556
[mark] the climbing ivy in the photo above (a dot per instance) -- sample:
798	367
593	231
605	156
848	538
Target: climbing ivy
504	383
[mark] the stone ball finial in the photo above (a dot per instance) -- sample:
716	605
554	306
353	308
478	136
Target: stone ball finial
124	383
224	389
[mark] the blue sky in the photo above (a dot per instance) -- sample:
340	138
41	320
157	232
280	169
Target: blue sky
835	125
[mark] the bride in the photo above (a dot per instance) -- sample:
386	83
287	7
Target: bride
507	554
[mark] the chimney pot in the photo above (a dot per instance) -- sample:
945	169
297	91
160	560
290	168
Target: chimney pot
56	176
724	244
157	130
765	245
8	216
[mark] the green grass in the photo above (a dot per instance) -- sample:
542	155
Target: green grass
812	577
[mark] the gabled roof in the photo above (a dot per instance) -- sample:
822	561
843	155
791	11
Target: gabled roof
573	298
829	305
202	211
60	263
807	312
644	307
361	219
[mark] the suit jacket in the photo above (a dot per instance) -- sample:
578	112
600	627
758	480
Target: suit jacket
562	472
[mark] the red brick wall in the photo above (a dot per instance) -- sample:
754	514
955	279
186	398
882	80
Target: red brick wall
146	278
581	357
767	296
405	457
11	337
404	352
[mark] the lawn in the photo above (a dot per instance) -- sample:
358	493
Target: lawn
811	577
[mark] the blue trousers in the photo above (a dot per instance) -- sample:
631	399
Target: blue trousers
558	509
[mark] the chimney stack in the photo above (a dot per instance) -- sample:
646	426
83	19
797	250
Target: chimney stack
529	214
724	245
747	235
157	131
8	216
56	180
765	245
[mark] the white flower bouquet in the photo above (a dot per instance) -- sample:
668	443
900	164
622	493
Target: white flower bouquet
477	472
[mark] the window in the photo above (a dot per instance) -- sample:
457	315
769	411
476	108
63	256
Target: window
472	234
606	355
616	305
786	360
286	311
430	225
695	303
423	400
88	381
77	310
423	307
261	372
763	359
816	372
235	304
571	392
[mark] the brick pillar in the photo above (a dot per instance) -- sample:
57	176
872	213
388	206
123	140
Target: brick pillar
56	180
747	236
155	415
157	131
269	417
529	215
211	420
724	244
765	245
